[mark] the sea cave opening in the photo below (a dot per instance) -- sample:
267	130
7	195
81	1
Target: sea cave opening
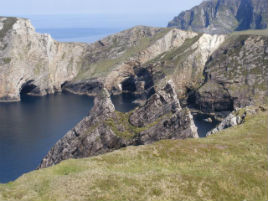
27	88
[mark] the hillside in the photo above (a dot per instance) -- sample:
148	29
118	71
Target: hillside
223	16
36	64
231	166
131	61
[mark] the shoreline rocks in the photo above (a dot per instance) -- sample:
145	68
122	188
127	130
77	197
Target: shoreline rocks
236	118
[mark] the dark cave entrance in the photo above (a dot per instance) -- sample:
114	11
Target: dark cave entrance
27	88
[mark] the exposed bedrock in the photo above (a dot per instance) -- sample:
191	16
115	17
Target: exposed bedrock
237	117
223	16
105	129
236	75
28	58
141	55
89	87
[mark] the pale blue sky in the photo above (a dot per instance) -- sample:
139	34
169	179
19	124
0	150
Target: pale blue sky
96	12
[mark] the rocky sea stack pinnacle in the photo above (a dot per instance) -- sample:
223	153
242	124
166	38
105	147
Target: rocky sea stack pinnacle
106	129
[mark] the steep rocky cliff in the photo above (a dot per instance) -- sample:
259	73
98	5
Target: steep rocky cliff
224	16
177	55
36	64
131	60
185	64
105	129
236	75
33	62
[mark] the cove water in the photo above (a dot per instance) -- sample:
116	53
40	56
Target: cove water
28	129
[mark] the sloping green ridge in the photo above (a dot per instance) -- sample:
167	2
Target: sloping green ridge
260	32
104	66
229	166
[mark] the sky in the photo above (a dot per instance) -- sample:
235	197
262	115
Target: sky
95	13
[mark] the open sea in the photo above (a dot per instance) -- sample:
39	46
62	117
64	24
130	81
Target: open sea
87	35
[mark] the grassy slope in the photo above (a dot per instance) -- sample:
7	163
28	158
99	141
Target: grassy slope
262	32
106	65
230	166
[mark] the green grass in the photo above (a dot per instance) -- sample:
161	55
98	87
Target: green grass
231	166
261	32
8	23
122	127
7	60
104	66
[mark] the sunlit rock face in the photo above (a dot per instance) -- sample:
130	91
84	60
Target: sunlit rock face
36	64
105	130
28	58
236	75
223	16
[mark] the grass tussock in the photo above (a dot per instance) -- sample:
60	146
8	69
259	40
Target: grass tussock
231	166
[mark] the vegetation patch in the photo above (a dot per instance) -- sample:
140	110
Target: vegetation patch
7	25
106	65
121	126
261	32
7	60
231	166
68	169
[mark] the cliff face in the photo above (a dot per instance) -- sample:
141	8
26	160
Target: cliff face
32	61
236	75
185	63
105	129
134	61
172	54
36	64
223	16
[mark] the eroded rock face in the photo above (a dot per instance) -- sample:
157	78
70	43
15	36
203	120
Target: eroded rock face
185	64
29	60
236	75
29	57
105	129
236	117
160	103
223	16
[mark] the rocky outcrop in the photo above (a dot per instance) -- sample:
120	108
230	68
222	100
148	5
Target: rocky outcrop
36	64
223	16
236	117
90	87
32	61
105	129
236	75
230	121
185	64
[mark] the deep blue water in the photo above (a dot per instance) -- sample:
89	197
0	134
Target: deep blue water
87	35
124	102
28	129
